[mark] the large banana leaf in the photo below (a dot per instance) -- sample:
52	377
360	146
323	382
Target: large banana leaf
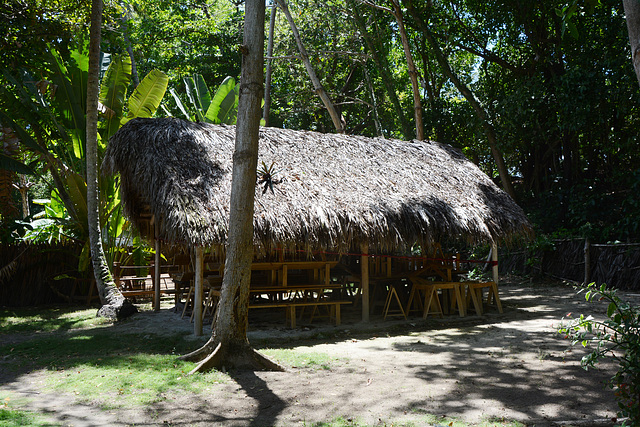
68	100
224	105
113	90
190	87
146	98
202	92
78	194
11	164
179	103
22	134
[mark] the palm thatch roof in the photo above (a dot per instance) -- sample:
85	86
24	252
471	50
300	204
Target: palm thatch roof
335	191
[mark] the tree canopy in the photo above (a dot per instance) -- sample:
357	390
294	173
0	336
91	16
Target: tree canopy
553	80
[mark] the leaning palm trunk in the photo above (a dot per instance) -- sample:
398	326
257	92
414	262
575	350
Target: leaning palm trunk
114	305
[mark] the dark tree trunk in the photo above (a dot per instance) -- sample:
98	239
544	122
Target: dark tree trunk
632	12
229	346
489	130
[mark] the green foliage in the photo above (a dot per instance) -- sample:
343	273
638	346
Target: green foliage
617	337
10	417
224	105
222	108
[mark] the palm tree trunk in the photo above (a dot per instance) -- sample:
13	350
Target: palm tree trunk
229	346
114	305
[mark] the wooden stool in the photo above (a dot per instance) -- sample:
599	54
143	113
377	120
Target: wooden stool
432	300
392	295
475	294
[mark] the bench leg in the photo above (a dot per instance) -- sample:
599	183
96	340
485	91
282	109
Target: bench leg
494	289
292	316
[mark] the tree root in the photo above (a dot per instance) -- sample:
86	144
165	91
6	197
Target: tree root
117	311
227	356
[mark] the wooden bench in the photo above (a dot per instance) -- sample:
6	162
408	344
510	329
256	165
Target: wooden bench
291	307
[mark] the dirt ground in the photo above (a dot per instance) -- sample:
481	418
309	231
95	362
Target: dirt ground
498	366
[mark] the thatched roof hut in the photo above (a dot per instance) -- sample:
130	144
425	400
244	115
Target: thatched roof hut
331	192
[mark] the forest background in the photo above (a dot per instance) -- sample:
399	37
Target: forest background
546	88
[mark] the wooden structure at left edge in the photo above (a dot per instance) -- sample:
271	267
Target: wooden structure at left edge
334	193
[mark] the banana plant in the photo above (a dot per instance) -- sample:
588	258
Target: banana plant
221	108
48	118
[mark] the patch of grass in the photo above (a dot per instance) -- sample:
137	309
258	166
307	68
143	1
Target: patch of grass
113	370
133	380
298	359
10	417
48	320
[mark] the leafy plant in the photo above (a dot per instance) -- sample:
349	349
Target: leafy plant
221	108
617	337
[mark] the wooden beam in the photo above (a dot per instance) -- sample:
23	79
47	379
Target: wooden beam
197	301
364	280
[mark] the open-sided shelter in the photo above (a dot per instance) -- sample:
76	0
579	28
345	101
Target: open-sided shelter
330	192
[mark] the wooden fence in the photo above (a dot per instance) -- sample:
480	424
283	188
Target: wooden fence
41	274
578	260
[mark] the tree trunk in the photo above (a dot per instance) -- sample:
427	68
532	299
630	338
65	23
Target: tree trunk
632	12
228	346
383	68
413	72
267	85
336	118
471	99
114	305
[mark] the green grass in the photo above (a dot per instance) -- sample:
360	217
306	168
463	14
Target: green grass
48	320
10	417
297	359
81	355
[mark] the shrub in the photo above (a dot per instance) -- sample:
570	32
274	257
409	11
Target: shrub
617	337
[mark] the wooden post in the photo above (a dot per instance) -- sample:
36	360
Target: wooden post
587	261
494	259
364	280
197	300
156	275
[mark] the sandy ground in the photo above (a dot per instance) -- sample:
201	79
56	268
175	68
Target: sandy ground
497	366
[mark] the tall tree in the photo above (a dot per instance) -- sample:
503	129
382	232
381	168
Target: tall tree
396	11
489	130
632	12
337	119
228	345
114	305
382	66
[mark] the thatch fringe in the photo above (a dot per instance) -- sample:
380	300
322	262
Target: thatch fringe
330	191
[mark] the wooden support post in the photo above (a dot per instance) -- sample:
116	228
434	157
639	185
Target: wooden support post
364	280
197	301
587	261
494	259
327	274
156	275
284	275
